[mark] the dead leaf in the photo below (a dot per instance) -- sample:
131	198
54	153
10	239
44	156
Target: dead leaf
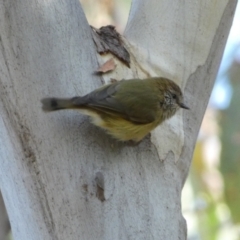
108	66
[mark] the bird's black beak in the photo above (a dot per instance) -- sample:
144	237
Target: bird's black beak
182	105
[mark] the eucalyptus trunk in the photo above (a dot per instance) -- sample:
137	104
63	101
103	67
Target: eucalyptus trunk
61	177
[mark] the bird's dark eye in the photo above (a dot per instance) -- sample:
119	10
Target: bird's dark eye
174	96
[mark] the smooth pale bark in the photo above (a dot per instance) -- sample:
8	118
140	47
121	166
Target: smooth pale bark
62	178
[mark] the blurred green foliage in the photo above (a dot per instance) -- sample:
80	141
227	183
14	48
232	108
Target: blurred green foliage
230	155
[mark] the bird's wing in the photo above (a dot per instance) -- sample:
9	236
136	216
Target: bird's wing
107	100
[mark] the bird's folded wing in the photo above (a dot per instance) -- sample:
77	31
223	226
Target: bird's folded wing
104	100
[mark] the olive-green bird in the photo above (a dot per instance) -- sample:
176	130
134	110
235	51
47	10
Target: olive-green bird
128	109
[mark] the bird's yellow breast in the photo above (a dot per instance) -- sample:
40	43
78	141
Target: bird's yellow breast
122	129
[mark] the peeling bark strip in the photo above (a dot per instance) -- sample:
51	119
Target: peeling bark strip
107	39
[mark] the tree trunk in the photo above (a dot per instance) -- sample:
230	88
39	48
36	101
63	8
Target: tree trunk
4	223
61	177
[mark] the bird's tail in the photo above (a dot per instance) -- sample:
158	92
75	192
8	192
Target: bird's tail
53	104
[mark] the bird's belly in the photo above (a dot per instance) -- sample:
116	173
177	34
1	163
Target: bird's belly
124	130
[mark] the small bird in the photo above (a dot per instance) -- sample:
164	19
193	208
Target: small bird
127	109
